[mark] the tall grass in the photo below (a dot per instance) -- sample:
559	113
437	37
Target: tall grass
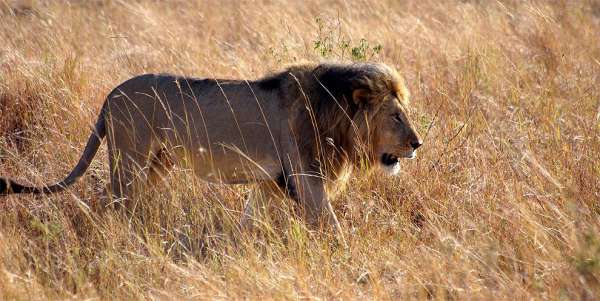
502	202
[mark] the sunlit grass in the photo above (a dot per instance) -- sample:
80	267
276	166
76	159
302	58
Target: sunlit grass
501	203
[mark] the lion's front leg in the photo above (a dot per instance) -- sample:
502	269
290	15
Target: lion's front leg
311	195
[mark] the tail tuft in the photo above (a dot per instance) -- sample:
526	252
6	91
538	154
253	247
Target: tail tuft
8	187
3	186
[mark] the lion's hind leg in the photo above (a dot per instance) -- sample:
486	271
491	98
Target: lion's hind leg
130	169
125	177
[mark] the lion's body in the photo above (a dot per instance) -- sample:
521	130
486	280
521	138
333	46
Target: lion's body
297	128
223	130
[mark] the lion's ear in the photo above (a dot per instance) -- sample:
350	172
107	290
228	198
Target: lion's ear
361	97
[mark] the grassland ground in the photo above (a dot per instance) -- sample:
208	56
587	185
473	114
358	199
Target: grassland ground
503	201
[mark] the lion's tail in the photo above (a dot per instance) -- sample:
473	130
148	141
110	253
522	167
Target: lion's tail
8	186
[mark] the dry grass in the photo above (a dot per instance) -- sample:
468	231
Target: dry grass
502	203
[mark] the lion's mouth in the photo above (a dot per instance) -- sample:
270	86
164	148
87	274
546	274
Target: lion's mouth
389	159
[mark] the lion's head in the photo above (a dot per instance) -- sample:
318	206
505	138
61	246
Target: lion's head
385	101
361	111
394	135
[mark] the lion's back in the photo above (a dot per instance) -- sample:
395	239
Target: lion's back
227	112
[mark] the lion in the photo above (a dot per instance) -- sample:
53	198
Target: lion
299	128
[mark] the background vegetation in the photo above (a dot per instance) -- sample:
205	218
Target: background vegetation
501	203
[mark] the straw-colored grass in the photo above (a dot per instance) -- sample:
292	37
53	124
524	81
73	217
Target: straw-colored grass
503	201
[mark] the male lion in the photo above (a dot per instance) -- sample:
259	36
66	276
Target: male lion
297	128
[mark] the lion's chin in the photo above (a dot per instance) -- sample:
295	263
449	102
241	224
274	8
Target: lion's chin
392	169
390	164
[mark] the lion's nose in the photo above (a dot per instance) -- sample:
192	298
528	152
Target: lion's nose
416	144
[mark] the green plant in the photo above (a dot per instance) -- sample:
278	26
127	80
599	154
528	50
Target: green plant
332	43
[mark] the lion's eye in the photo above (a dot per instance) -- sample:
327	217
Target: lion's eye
397	118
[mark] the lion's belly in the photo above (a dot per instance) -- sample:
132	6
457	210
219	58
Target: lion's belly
230	159
236	173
